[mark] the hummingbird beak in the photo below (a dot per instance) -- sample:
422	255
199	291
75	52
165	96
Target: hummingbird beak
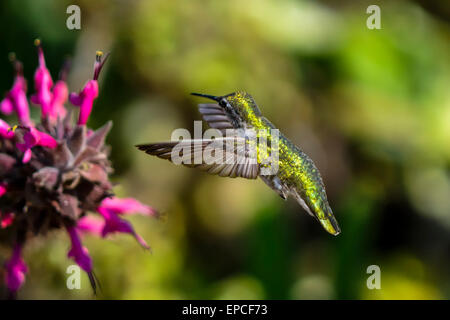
206	96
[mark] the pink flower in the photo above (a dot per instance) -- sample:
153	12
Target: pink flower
77	252
113	224
2	188
34	137
7	105
16	99
110	208
15	270
85	98
127	206
5	130
6	219
43	83
60	95
91	224
26	156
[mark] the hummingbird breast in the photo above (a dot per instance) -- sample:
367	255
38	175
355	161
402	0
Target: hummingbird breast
300	175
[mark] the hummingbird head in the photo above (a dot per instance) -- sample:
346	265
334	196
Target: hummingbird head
240	103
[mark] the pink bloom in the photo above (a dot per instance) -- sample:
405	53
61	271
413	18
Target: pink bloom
5	131
41	139
15	270
60	95
126	206
34	137
2	188
85	98
6	219
16	99
43	83
91	224
113	224
26	156
79	253
6	105
110	210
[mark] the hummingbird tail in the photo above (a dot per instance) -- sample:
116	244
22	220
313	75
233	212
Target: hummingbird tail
326	219
330	224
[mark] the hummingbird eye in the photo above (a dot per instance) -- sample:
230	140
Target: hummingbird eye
224	103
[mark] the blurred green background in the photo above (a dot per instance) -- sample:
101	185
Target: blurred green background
371	108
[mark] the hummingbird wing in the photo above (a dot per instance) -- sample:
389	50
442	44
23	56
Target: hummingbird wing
215	116
227	157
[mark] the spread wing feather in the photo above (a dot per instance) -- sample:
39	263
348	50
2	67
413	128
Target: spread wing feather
227	157
215	116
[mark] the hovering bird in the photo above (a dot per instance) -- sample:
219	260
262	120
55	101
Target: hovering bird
295	174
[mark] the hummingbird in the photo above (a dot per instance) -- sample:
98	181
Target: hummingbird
296	173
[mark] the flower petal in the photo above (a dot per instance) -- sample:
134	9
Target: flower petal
27	156
5	131
44	139
43	83
127	206
15	270
22	108
113	224
6	106
16	98
6	220
85	99
60	96
91	224
2	188
77	252
76	98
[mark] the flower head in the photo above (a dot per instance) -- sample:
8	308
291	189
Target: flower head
54	173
